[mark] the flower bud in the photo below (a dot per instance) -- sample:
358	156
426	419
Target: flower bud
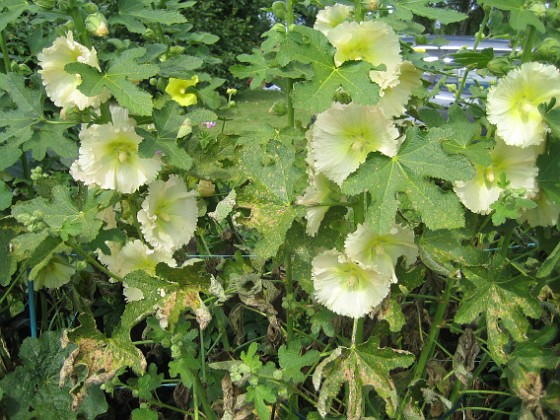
206	188
549	50
96	24
374	5
90	8
499	66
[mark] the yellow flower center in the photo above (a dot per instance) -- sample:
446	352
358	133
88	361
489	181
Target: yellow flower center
358	143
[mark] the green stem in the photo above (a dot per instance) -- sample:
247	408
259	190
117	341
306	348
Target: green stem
5	56
76	15
477	38
354	332
358	11
429	346
93	261
201	394
289	297
202	356
290	83
528	46
27	173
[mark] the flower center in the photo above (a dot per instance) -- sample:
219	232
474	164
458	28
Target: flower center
358	143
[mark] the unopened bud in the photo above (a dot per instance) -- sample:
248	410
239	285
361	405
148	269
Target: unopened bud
499	66
90	8
549	50
374	5
206	188
96	24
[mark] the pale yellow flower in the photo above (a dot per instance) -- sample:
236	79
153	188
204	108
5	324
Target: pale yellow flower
381	251
55	273
513	103
345	287
169	214
393	99
108	155
517	164
344	135
61	86
318	197
545	214
332	16
371	41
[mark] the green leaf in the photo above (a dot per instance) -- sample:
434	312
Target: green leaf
10	10
364	365
149	382
549	168
550	263
260	395
5	196
270	217
292	361
269	159
169	300
119	79
310	46
144	414
520	17
66	216
167	121
552	118
505	301
224	207
7	260
135	13
50	136
473	59
404	9
420	158
40	387
180	67
257	68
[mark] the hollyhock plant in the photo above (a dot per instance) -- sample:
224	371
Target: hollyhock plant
61	86
381	251
169	214
517	164
108	155
332	16
513	103
344	135
345	287
179	90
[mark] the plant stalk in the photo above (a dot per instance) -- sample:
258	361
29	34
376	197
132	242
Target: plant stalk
5	56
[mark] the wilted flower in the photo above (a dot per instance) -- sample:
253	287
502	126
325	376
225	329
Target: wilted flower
169	214
55	273
109	155
371	41
516	164
345	287
381	251
179	90
320	191
332	16
394	99
343	136
513	103
61	86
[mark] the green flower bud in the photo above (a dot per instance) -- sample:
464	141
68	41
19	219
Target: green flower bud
96	24
45	4
90	8
549	50
277	374
538	9
279	9
499	66
253	380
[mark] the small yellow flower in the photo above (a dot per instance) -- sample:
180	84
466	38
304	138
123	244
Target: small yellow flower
180	92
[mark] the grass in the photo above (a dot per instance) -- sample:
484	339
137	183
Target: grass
253	107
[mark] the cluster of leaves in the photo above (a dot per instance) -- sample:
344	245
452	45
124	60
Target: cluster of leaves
472	325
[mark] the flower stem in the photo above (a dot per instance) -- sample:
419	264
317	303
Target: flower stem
528	45
5	56
358	11
76	15
289	82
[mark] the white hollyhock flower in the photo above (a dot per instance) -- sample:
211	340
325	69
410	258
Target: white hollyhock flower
381	251
545	214
371	41
320	191
345	287
332	16
61	86
55	273
393	99
513	103
108	156
343	136
517	164
134	255
169	214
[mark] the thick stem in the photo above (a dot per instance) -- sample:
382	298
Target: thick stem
76	15
477	38
5	56
528	46
358	11
289	82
